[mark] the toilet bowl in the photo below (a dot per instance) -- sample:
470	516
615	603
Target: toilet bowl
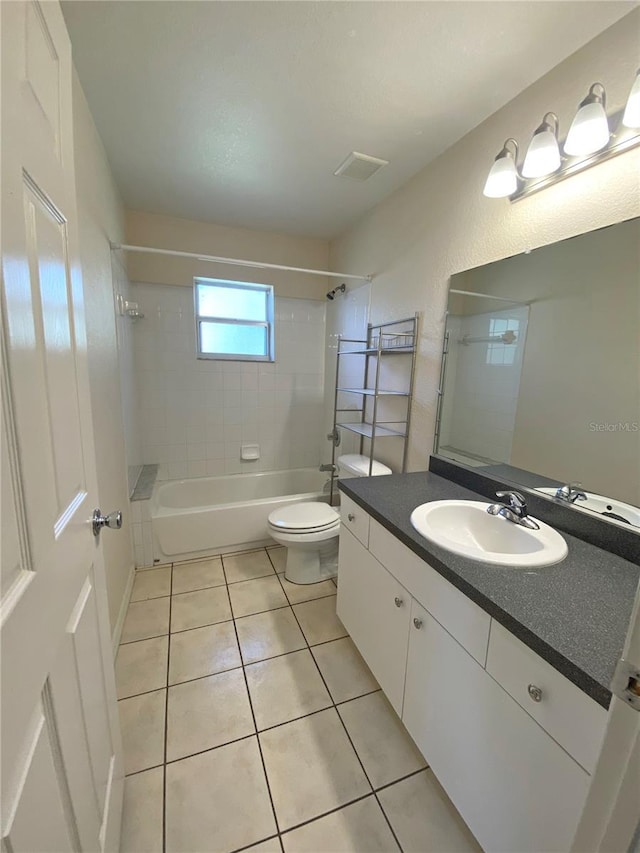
310	530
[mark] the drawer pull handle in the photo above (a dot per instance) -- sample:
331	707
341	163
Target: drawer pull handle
398	601
535	692
351	517
417	623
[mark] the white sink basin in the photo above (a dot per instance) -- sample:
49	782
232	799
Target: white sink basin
602	504
466	528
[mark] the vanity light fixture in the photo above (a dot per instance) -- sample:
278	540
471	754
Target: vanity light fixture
589	141
503	178
543	153
631	117
589	131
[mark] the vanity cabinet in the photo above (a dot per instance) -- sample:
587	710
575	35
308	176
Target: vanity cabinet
515	768
376	610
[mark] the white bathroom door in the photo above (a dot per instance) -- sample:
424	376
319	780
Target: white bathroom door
61	764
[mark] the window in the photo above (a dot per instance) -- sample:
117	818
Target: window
502	353
234	320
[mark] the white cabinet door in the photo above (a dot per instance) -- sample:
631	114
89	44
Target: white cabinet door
375	610
514	786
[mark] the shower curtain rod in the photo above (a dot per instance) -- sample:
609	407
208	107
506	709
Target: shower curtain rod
238	262
487	296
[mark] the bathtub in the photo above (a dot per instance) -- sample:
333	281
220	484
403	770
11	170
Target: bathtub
211	515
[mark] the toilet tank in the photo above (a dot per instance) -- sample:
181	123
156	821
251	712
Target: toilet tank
356	465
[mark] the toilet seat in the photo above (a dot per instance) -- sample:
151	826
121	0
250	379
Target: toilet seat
304	518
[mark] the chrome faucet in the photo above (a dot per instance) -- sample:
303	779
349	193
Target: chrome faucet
571	493
516	511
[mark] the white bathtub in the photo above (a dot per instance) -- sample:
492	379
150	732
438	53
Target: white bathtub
211	515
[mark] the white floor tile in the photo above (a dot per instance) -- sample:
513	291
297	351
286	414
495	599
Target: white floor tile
311	767
203	651
142	666
298	592
381	741
199	574
244	567
344	670
285	688
256	596
142	812
358	828
155	583
146	619
318	620
278	556
142	724
218	800
207	713
195	609
424	818
269	634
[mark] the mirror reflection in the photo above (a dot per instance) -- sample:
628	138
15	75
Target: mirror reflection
541	371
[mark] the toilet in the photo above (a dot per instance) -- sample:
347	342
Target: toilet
310	530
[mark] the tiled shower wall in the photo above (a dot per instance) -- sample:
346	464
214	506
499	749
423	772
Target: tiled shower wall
195	414
481	388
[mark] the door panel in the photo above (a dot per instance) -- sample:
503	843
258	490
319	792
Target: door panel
47	250
40	796
61	762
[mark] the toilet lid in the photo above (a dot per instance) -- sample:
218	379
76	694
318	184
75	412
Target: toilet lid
356	464
300	518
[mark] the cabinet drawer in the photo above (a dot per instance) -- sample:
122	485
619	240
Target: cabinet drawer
571	717
355	519
463	619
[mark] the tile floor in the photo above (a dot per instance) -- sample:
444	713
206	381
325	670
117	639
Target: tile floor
250	721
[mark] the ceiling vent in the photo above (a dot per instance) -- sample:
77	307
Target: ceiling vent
360	166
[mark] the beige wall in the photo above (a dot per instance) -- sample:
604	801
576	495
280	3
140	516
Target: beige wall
440	223
185	235
101	218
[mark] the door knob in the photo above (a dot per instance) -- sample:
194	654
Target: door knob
98	521
351	517
417	623
398	601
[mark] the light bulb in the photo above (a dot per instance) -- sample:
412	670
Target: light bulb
631	117
502	180
543	154
589	131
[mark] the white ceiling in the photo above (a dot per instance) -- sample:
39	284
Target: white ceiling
239	112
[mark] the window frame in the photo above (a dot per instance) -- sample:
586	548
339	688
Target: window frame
268	324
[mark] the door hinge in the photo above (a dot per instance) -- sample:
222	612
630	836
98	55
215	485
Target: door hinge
626	683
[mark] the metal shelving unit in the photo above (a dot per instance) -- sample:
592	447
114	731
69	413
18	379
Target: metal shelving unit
396	338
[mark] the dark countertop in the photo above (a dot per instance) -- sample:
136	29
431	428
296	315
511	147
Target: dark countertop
574	614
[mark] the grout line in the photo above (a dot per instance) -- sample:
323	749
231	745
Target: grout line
166	727
402	779
209	749
199	588
143	770
255	726
366	775
255	843
334	705
326	814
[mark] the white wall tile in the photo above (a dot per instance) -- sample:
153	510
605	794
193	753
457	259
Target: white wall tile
194	414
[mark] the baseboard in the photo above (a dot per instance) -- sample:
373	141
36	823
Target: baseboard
117	630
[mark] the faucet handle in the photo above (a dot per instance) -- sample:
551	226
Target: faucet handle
517	501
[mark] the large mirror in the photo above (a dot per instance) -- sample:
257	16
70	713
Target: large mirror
541	371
